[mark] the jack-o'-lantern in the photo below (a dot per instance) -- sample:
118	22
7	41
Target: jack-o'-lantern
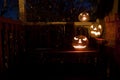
95	30
84	16
80	42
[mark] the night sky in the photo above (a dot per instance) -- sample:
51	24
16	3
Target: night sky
56	10
1	5
11	10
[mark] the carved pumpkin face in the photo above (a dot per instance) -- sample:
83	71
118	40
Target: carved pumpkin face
95	30
80	42
83	16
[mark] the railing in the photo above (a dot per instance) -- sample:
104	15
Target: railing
12	42
16	36
53	34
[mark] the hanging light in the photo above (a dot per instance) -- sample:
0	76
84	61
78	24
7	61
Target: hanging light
84	16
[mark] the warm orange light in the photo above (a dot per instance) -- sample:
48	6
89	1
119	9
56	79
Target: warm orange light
80	42
79	47
83	16
95	30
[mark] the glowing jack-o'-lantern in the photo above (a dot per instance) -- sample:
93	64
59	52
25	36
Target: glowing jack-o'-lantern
80	42
95	30
83	16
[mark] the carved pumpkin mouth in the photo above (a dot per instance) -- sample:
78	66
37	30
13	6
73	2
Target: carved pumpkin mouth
79	47
96	33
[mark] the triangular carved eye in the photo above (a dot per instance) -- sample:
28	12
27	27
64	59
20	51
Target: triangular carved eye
99	26
91	26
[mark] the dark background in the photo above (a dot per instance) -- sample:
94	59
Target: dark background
57	10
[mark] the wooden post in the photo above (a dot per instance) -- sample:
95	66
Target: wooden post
1	59
5	3
115	7
22	15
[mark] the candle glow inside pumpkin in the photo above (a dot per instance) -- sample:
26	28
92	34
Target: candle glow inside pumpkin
95	30
83	16
80	42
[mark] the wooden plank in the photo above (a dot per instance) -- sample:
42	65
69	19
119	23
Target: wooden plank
10	21
1	61
22	16
55	23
